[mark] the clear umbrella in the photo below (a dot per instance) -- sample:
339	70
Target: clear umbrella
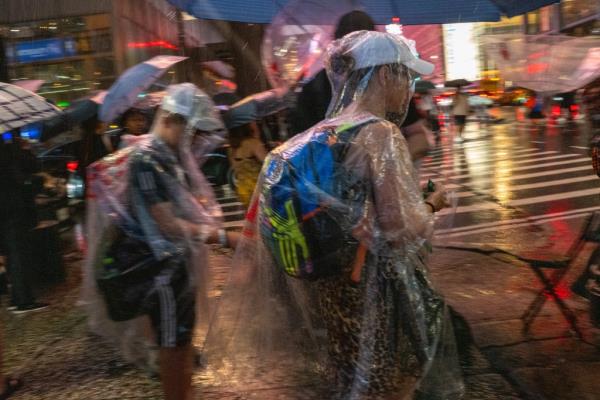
20	107
294	44
546	63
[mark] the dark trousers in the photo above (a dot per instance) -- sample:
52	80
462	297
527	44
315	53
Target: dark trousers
16	239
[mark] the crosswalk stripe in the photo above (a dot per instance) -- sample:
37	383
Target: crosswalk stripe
461	173
504	227
236	212
484	181
483	145
234	224
532	175
516	220
486	205
500	156
557	182
476	165
538	185
482	206
450	150
553	197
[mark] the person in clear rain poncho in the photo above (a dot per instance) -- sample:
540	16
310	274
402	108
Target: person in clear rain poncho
150	213
329	295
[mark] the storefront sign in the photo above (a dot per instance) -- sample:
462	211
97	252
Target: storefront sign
44	50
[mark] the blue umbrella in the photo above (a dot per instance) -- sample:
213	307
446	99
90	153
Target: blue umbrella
410	12
123	94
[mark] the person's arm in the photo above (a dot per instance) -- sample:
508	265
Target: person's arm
396	213
401	214
172	226
150	194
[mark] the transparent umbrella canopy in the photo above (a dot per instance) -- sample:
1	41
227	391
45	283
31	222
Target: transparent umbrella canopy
20	107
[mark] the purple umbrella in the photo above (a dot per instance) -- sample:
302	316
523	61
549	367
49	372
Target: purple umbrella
123	94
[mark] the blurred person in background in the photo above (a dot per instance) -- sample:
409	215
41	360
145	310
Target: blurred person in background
18	218
429	108
134	123
460	111
536	108
246	155
93	147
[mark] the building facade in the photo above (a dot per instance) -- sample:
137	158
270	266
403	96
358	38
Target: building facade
77	47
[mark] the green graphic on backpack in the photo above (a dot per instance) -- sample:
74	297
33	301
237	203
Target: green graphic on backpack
309	203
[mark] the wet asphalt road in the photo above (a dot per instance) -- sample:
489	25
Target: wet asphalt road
517	185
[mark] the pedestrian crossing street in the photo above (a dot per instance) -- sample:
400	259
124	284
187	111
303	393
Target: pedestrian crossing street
494	186
500	186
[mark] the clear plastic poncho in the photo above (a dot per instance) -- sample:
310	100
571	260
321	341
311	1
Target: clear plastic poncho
373	329
118	201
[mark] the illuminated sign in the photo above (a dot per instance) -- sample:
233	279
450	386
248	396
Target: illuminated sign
43	50
462	52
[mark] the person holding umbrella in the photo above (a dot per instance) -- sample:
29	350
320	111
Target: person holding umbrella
246	154
428	106
17	199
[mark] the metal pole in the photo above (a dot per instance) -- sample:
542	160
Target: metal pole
3	62
183	66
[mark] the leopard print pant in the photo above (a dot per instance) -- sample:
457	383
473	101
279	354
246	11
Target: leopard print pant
369	329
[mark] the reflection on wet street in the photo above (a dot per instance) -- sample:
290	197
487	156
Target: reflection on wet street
518	185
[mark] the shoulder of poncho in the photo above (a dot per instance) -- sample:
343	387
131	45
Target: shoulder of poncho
380	129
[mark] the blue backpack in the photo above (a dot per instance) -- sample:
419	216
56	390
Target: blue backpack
310	202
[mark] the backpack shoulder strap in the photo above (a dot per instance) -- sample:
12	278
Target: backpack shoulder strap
348	131
353	127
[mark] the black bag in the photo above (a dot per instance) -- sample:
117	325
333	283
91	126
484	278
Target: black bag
129	269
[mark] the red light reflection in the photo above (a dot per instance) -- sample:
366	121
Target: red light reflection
562	291
158	43
537	68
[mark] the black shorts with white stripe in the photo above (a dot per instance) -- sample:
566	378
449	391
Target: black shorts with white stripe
171	305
